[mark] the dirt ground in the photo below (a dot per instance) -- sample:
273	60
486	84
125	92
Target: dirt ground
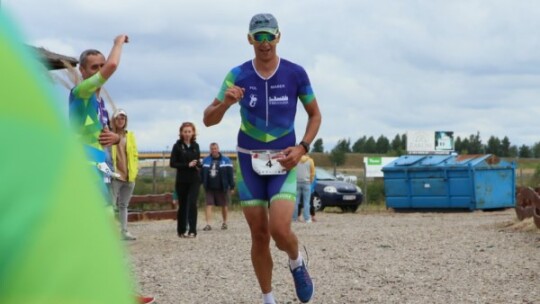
386	257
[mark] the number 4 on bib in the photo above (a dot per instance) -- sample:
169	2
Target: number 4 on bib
266	162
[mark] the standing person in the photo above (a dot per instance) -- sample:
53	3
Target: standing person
89	117
126	163
56	244
311	207
267	90
218	181
185	157
305	174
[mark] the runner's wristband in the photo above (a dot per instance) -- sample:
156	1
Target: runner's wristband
305	145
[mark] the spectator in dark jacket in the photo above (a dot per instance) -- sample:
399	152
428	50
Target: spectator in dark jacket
185	157
218	181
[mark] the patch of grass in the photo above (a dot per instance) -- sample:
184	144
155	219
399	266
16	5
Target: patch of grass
332	210
525	163
369	208
375	192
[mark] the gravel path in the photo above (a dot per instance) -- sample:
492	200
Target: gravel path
416	257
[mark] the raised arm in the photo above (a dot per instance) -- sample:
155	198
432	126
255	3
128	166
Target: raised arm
114	56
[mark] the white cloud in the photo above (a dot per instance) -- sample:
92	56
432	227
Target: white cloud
376	67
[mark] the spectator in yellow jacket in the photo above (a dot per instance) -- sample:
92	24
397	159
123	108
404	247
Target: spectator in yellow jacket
126	163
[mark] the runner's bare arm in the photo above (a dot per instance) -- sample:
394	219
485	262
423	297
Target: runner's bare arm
294	153
314	121
215	111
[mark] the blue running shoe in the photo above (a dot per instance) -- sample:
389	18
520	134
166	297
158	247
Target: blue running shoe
302	283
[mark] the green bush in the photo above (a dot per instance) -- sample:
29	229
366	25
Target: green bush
375	191
145	185
534	180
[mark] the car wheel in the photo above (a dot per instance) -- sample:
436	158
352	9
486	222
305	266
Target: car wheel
317	203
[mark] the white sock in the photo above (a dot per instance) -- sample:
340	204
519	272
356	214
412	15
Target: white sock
296	263
268	298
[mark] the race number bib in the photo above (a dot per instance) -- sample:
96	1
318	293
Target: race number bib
265	162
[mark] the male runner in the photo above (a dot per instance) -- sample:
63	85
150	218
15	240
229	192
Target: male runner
267	90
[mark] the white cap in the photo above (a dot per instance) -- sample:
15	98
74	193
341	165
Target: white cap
119	112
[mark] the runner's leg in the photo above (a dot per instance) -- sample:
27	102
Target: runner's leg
280	218
257	219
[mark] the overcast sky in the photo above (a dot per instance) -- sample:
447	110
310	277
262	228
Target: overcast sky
377	67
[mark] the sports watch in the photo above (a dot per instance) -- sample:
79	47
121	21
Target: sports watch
305	145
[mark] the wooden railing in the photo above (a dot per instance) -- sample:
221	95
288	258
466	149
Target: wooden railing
165	211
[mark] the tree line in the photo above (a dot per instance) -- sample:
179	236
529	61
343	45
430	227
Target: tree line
398	146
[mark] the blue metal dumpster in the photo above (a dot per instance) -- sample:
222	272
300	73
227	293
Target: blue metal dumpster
449	181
